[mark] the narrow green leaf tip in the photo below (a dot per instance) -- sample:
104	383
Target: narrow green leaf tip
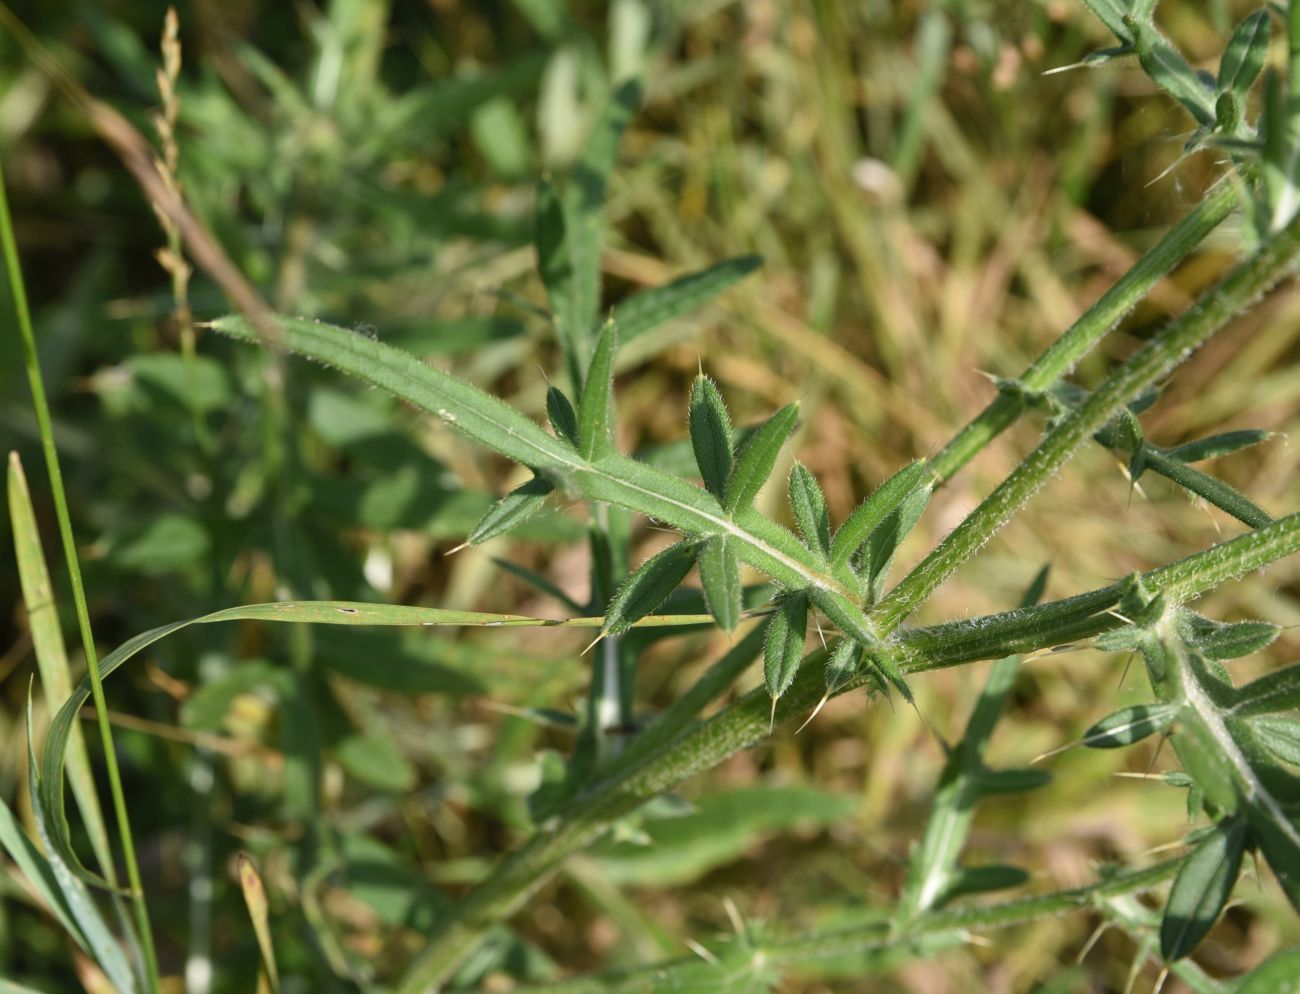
757	457
712	436
649	586
783	650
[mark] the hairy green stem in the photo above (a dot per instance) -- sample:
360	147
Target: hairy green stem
813	947
41	406
745	722
1080	338
1171	346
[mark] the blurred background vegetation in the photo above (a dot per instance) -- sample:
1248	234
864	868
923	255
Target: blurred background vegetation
930	207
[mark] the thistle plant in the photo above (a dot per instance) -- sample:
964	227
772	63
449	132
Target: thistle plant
1236	743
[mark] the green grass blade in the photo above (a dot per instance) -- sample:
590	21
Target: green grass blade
38	872
51	654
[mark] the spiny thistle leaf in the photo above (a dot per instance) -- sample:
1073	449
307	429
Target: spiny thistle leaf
649	586
756	458
783	650
563	418
809	506
720	578
871	512
1129	725
1201	889
511	510
711	435
595	417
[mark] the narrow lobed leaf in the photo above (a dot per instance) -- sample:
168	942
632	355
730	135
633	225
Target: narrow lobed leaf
1217	445
563	418
878	554
1219	640
649	586
1129	725
720	578
511	510
1012	781
1280	736
651	308
982	880
783	650
870	513
1209	488
595	416
809	506
756	458
1271	693
842	664
712	436
1201	889
1245	54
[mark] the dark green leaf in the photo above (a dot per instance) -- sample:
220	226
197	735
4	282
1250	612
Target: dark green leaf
1013	781
511	510
1216	445
374	759
852	622
1276	691
982	879
649	586
720	578
1244	57
756	458
1129	725
1207	487
1201	889
783	650
595	418
878	554
711	435
809	505
842	664
871	512
564	420
1280	736
555	263
1217	640
649	309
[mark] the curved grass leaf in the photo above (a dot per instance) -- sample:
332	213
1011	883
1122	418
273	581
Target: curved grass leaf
756	458
1201	889
720	578
868	516
595	418
651	308
1280	736
102	945
711	435
1273	692
563	418
50	650
783	650
511	510
38	873
649	586
809	506
1130	725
